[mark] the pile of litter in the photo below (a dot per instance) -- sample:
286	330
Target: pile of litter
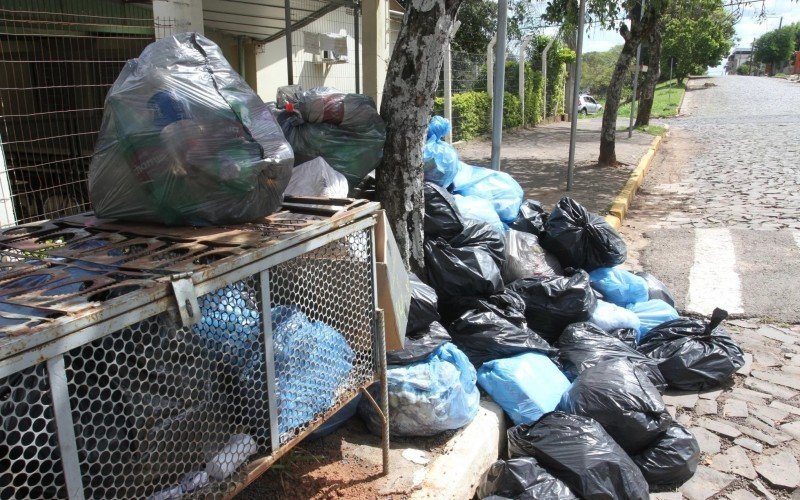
574	348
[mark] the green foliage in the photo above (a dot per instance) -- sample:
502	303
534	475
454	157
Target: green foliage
597	69
777	46
512	111
479	23
744	69
555	90
697	34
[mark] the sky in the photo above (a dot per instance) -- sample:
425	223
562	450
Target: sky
751	25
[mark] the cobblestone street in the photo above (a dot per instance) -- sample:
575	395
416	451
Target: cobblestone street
718	219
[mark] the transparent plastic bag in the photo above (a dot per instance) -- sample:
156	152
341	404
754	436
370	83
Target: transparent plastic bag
525	258
498	187
317	178
429	397
345	129
185	141
440	158
612	317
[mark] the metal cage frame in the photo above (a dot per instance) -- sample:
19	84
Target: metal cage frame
44	330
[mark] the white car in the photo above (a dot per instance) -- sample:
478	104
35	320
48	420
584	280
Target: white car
588	106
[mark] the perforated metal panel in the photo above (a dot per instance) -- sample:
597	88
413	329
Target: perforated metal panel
334	286
155	402
30	464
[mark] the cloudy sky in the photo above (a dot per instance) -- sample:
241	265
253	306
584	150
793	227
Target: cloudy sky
752	25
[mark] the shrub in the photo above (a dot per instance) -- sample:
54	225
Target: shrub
744	69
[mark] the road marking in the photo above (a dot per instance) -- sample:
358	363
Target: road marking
713	281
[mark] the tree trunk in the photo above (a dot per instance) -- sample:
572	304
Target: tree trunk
653	74
641	27
408	94
608	155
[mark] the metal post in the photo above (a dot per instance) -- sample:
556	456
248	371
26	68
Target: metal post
448	82
523	46
575	88
269	359
499	82
65	427
544	75
357	38
287	15
635	79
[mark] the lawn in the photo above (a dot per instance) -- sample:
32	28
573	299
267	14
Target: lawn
665	104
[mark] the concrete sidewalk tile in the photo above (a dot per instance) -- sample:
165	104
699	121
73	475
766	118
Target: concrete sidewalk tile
770	388
779	469
713	395
735	409
735	461
721	428
741	495
783	406
768	414
705	483
786	379
706	407
680	399
747	366
743	324
759	487
792	429
791	369
773	333
750	395
667	495
766	360
708	441
750	444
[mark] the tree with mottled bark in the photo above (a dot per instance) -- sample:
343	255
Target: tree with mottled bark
408	96
651	77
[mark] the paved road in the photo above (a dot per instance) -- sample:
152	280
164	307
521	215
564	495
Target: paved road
721	212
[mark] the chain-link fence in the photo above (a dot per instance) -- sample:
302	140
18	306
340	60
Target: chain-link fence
57	62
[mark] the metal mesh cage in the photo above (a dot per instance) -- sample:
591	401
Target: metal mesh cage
30	464
156	405
332	286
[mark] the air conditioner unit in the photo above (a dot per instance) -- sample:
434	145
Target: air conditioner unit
327	48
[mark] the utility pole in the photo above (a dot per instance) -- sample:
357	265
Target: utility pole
499	82
575	89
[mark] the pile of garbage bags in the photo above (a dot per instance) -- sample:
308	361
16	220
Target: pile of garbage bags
185	141
576	349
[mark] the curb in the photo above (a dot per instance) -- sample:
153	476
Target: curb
619	207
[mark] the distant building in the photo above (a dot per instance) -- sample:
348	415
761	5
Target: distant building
738	57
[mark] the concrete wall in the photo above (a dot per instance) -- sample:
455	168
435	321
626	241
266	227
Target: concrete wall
187	14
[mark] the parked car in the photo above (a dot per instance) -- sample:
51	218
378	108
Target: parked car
587	105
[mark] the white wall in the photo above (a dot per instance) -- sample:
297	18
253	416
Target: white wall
187	14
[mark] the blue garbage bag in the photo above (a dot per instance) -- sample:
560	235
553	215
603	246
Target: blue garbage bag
618	286
473	207
611	317
440	158
230	324
428	397
498	187
312	363
651	314
526	386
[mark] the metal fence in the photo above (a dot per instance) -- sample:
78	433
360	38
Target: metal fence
57	62
115	382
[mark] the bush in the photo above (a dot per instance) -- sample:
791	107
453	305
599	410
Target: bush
744	69
472	113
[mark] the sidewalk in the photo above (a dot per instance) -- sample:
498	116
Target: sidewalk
537	158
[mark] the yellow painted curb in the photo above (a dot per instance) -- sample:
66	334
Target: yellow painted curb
619	207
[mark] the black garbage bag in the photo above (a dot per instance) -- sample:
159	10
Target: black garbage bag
493	327
626	335
442	218
656	289
482	235
583	345
693	355
423	308
522	478
672	459
531	218
419	345
553	303
461	271
622	399
579	452
579	238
